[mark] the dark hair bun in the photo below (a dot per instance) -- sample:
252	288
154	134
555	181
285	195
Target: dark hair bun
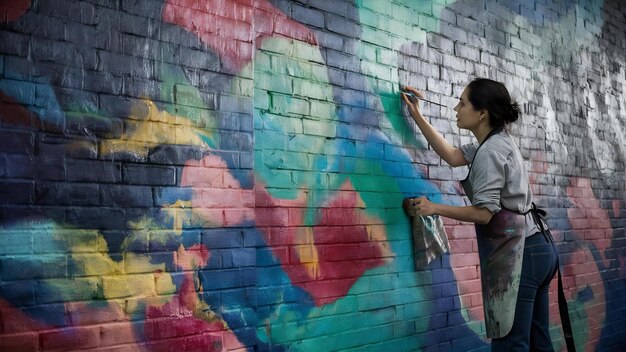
513	113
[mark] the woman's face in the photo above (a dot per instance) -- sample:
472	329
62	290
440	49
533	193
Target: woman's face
467	117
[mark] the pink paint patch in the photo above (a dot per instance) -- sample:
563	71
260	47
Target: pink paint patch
617	208
23	333
11	11
217	197
187	333
329	257
590	222
226	26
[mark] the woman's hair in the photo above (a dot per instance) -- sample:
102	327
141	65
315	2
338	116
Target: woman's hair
495	98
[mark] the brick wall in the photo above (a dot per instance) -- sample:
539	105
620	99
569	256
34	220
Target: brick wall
228	175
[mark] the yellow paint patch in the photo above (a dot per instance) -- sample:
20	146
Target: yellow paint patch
307	252
148	126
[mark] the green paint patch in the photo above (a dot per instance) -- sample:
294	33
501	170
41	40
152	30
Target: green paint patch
187	102
290	136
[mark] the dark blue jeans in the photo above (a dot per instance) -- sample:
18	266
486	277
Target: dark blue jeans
530	330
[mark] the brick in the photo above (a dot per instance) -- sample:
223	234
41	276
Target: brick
238	257
174	154
126	196
467	52
42	25
73	338
93	264
14	43
236	141
121	65
341	60
230	121
64	53
340	25
148	175
16	192
47	145
97	218
128	286
16	68
33	267
66	194
470	24
16	242
19	293
119	332
236	104
339	9
74	289
438	86
138	264
222	238
20	342
229	278
307	15
19	91
93	171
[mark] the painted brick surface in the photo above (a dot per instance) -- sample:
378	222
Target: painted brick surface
228	174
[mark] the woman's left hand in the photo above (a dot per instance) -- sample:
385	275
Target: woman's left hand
423	206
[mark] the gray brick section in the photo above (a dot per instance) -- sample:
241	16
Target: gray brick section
309	16
139	174
93	171
126	196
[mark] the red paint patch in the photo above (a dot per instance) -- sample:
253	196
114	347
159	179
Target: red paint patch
12	10
226	26
325	259
15	114
13	320
182	323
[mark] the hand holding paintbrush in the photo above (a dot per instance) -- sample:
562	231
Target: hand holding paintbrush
411	97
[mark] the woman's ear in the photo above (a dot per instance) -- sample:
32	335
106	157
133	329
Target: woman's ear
484	114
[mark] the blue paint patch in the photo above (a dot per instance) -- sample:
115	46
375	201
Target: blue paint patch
18	293
171	195
231	291
447	323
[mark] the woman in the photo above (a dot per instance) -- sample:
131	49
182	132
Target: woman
517	259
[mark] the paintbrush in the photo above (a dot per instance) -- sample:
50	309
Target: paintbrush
414	97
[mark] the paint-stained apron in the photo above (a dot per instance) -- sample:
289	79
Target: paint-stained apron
501	251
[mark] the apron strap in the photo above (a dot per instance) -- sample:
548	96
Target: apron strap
564	313
539	216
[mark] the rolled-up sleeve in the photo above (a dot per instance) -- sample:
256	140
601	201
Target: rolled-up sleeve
488	179
469	150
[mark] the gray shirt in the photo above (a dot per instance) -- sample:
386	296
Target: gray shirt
498	177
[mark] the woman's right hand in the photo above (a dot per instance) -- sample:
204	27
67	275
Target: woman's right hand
411	100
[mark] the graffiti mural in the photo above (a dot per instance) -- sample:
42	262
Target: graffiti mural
204	175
